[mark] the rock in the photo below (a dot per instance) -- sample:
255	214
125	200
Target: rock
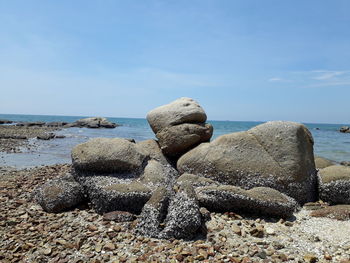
152	150
93	122
176	140
31	124
46	136
5	122
334	184
345	129
345	163
321	162
105	155
109	194
310	258
59	194
156	174
195	180
257	201
119	216
338	212
274	154
184	218
56	124
154	213
183	110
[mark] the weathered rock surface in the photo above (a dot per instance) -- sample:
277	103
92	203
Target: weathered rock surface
46	136
104	155
59	194
154	213
183	110
195	180
345	129
258	200
179	126
321	162
5	122
176	140
109	194
334	184
152	150
338	212
275	154
184	218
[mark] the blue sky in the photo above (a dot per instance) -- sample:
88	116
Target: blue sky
242	60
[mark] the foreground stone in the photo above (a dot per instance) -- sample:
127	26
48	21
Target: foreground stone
104	155
275	154
257	201
338	212
321	162
179	126
184	217
59	194
334	184
154	213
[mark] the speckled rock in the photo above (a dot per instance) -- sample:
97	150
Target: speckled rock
183	110
339	212
334	184
176	140
321	162
184	218
154	213
108	194
60	194
274	154
105	155
258	201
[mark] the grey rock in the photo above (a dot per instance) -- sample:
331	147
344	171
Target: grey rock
178	139
274	154
31	124
119	216
184	218
59	194
105	155
152	150
195	180
183	110
345	163
334	184
321	162
154	213
109	194
345	129
46	136
257	201
5	122
56	124
93	122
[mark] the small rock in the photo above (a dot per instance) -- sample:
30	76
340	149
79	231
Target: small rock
269	231
236	229
310	258
109	246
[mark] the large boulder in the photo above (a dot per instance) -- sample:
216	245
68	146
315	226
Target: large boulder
179	126
321	162
109	194
176	140
274	154
184	218
183	110
105	155
60	194
334	184
257	201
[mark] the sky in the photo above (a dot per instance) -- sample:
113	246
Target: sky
241	60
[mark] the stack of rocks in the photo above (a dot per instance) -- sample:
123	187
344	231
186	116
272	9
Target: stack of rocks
167	183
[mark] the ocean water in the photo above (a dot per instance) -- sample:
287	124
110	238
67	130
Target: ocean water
329	142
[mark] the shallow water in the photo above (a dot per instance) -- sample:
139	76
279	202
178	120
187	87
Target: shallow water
329	142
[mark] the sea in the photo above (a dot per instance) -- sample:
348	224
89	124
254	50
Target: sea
329	142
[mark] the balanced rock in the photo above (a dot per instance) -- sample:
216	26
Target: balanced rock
258	200
334	184
59	194
154	213
105	155
179	126
274	154
321	162
184	217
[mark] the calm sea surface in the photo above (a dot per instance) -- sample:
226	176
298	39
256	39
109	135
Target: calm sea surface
329	142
